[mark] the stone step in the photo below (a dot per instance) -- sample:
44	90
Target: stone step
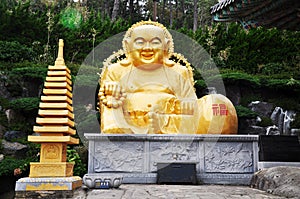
50	139
59	79
57	85
55	121
56	113
59	68
56	99
59	73
57	92
48	105
54	129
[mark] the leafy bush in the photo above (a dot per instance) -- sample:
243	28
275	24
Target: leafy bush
287	103
236	77
296	122
38	73
79	168
9	164
25	104
265	121
244	112
14	52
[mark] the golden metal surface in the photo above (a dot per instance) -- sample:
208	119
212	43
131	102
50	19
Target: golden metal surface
147	93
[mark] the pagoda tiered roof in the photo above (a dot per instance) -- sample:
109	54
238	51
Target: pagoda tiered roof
283	14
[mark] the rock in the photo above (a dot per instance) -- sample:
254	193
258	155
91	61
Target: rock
234	94
244	125
83	153
262	108
13	135
2	130
295	132
1	157
283	181
3	86
257	130
13	116
14	149
272	130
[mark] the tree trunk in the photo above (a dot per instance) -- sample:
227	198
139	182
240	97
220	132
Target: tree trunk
131	13
106	8
195	23
163	12
115	10
171	13
154	10
183	13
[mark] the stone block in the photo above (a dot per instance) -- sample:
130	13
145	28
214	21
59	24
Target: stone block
225	159
51	169
49	184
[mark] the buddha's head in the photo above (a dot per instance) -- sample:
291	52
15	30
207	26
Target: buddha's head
148	44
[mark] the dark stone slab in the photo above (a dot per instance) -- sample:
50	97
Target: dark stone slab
176	173
279	148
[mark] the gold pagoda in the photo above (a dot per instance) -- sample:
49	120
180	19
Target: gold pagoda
56	125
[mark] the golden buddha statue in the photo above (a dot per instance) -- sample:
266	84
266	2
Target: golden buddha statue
142	91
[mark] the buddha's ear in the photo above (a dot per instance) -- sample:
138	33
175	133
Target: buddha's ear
167	43
126	43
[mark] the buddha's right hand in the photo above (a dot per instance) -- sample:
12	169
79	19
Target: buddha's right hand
112	88
111	94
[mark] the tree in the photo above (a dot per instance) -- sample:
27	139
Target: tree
195	21
115	10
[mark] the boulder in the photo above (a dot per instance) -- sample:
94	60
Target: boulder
2	131
256	130
1	157
13	135
272	130
14	116
14	149
244	125
262	108
282	180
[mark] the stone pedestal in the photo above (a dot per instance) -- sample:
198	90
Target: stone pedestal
219	159
62	187
59	183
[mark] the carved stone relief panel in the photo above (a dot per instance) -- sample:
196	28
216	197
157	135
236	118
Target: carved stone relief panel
118	156
172	152
234	157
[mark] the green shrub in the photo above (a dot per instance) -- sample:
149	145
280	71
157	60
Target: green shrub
296	122
14	52
29	73
286	103
8	164
265	121
79	168
25	104
246	100
3	119
241	78
244	112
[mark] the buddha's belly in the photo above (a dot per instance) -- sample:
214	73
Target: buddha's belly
138	105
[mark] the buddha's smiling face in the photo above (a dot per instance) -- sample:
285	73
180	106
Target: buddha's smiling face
147	46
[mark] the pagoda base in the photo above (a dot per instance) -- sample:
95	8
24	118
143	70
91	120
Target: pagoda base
47	184
51	169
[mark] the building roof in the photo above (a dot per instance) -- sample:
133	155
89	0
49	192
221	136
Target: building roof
283	14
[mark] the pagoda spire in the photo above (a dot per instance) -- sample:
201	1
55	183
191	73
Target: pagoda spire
60	55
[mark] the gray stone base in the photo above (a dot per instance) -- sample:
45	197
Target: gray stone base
48	184
102	180
265	165
219	159
225	179
48	194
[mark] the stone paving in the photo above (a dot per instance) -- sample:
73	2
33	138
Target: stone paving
138	191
